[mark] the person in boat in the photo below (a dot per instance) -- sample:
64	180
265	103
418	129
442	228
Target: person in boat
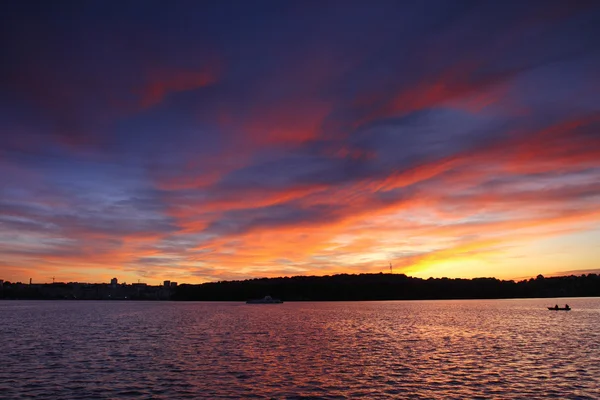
567	307
556	307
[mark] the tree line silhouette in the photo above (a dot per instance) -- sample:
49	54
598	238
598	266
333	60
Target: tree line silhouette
345	287
342	287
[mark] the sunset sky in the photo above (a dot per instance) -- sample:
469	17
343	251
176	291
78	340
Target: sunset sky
199	141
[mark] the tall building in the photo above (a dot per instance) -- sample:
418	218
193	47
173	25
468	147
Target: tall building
167	283
114	282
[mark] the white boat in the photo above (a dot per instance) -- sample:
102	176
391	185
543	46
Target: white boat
265	300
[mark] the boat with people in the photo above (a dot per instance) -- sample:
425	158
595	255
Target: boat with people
557	308
265	300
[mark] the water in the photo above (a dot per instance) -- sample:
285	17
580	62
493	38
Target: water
400	349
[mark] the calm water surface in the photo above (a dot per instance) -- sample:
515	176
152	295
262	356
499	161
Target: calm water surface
402	349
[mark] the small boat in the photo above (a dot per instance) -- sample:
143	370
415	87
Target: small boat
265	300
559	308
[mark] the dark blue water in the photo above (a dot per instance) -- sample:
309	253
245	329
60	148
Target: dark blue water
509	349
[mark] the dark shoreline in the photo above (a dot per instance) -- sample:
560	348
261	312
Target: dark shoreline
288	301
342	287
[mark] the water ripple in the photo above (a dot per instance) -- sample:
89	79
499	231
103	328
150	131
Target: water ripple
507	349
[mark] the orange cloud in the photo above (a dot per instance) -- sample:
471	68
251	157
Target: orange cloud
368	224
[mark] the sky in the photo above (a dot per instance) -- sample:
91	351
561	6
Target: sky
202	141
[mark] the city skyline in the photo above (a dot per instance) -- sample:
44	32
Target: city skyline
206	141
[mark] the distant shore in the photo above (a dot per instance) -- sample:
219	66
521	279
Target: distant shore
342	287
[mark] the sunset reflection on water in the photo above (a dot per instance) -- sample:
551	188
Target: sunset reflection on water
418	349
